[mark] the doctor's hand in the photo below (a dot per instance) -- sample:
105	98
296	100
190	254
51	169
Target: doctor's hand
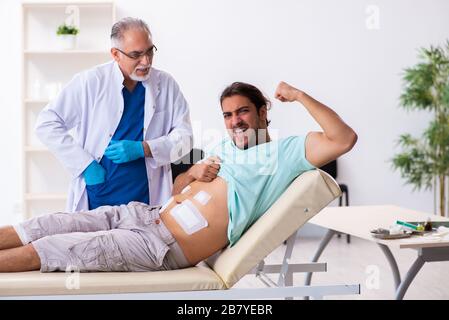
287	93
206	171
94	173
124	151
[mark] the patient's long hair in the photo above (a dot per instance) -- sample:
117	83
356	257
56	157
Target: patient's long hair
249	91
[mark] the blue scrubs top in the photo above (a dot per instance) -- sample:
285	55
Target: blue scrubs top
128	181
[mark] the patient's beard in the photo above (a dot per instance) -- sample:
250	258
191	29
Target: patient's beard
252	137
246	139
135	77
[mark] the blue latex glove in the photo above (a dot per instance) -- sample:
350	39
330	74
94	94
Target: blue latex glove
124	151
94	173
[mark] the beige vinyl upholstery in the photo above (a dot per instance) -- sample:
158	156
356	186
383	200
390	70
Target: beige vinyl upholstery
35	283
304	198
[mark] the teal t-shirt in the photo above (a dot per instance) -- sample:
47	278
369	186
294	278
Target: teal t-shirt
257	177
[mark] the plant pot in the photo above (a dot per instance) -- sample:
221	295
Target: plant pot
67	41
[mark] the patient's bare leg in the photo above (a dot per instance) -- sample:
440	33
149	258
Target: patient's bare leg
9	238
24	258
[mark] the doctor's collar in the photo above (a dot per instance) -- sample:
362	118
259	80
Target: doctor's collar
118	74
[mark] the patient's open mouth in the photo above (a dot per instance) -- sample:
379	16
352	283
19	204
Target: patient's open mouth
239	131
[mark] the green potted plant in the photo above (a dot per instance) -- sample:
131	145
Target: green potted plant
424	162
67	36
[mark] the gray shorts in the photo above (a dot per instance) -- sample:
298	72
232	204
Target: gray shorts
110	238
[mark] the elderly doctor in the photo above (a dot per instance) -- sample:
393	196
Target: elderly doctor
130	120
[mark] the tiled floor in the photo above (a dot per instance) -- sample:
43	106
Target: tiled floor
362	262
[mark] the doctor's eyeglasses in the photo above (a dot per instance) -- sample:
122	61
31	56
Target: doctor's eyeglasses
138	54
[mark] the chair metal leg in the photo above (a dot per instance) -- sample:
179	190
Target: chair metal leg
340	201
340	204
347	197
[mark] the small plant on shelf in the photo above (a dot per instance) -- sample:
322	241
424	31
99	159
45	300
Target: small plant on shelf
65	29
67	35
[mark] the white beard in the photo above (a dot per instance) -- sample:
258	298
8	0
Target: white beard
135	77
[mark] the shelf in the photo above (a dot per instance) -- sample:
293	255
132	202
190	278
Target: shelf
37	101
46	69
65	52
36	149
87	4
45	196
42	19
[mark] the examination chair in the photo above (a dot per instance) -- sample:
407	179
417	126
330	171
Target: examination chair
214	278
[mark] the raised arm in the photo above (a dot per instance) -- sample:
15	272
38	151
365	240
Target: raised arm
337	137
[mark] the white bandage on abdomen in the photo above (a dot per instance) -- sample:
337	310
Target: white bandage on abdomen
202	197
188	217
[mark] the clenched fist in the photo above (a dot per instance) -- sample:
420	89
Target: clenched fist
286	92
205	171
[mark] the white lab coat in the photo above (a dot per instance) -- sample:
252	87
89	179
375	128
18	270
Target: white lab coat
92	104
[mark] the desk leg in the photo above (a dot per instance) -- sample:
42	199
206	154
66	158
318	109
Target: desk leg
327	237
414	269
393	265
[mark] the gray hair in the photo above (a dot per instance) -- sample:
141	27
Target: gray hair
119	28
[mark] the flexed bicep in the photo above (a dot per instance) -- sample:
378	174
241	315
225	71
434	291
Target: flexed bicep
321	150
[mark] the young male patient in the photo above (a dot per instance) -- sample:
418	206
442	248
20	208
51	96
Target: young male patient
214	202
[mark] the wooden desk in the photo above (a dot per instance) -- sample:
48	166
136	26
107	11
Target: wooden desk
360	220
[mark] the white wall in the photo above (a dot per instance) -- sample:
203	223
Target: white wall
323	47
10	106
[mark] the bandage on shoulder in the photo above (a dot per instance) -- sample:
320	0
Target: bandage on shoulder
202	197
188	217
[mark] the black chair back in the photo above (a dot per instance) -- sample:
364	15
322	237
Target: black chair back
184	164
331	168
